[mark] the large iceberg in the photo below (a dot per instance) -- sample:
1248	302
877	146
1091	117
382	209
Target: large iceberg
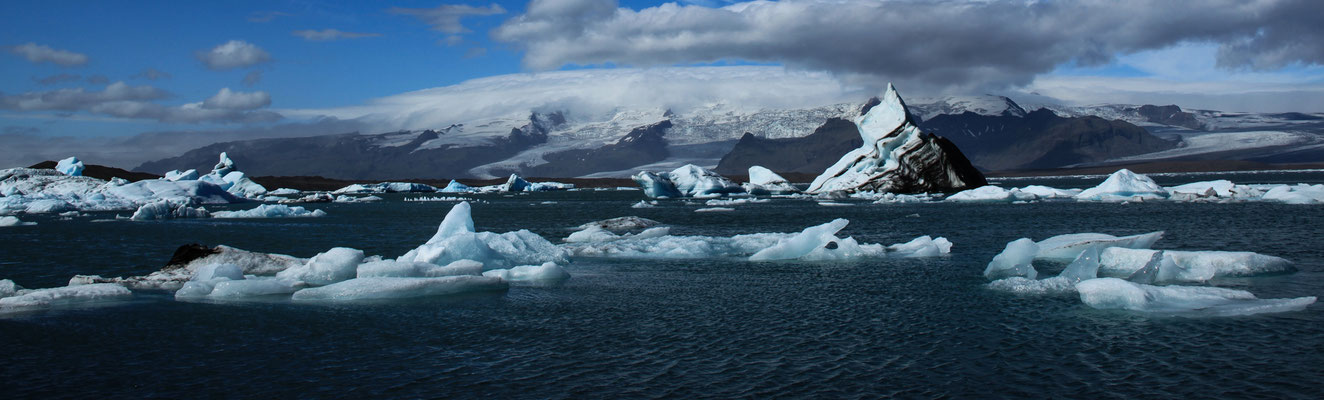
1124	185
168	209
1296	194
456	187
456	240
687	181
188	260
763	181
1118	294
37	191
226	175
517	184
897	157
70	166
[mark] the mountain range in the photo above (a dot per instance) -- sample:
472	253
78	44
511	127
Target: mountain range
994	132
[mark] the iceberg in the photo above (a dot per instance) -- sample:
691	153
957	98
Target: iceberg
189	260
385	187
456	187
1014	260
991	194
1068	247
897	157
70	166
687	181
456	240
167	209
1084	267
644	204
270	211
621	224
1045	192
1296	194
1117	294
176	175
763	181
29	299
547	273
1124	185
815	243
400	288
1192	266
226	175
14	221
48	191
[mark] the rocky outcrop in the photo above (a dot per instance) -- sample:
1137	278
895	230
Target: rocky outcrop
1169	115
810	154
896	157
1042	139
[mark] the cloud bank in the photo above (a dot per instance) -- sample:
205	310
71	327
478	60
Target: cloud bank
941	45
233	54
37	53
121	100
331	34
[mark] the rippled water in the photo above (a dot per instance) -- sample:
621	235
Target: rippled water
647	328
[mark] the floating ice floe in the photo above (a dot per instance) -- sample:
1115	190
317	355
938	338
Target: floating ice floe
352	199
644	204
14	221
517	184
687	181
1124	185
284	192
1015	260
70	166
168	209
621	224
714	209
188	260
1084	267
893	198
1118	294
1296	194
732	202
992	194
14	298
400	288
270	211
814	243
1191	266
436	198
385	187
227	282
547	273
763	181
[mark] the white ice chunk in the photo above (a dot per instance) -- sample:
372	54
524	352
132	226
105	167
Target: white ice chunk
1124	185
644	204
1015	260
44	298
1083	268
1069	246
991	194
803	243
687	181
621	224
714	209
1045	192
1296	194
399	269
397	288
8	288
545	273
1192	266
232	289
763	181
456	187
168	209
1117	294
270	211
176	175
923	246
456	240
70	166
332	266
218	271
14	221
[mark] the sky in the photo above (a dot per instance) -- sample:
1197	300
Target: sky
128	81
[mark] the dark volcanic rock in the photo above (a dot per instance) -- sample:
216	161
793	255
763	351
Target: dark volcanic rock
104	172
1042	139
1169	115
186	254
355	156
810	154
643	145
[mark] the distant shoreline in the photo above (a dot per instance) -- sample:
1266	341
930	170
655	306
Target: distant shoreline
318	183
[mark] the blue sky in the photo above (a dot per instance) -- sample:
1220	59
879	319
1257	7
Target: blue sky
1230	55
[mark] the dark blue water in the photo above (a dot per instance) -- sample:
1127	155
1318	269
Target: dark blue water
645	328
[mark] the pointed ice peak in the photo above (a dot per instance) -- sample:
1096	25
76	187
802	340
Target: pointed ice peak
458	220
883	118
224	165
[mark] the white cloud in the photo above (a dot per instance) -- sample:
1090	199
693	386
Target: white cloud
595	93
229	100
952	45
446	17
233	54
332	34
37	53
